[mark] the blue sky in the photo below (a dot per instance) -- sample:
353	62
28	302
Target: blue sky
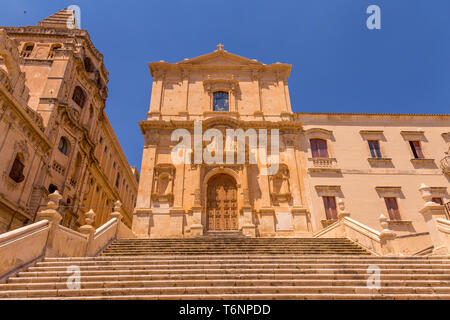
338	64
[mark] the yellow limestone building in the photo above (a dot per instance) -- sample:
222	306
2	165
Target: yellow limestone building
375	163
54	132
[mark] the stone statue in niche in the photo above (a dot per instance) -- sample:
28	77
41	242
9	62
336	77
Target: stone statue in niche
163	183
280	190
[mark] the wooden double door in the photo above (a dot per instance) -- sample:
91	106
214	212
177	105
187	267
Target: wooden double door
221	209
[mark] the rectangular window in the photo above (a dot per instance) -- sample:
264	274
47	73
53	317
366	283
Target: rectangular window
438	200
16	172
392	208
330	207
416	149
374	146
319	148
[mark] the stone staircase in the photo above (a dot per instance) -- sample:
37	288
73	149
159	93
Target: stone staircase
233	268
214	245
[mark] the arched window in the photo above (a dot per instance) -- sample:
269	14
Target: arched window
63	146
27	49
16	172
118	180
319	148
88	65
53	49
220	101
52	188
79	96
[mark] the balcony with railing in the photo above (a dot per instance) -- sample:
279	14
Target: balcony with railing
323	165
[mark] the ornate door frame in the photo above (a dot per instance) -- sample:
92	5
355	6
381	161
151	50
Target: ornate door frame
204	187
221	209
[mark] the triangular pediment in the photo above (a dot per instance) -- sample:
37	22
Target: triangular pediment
221	57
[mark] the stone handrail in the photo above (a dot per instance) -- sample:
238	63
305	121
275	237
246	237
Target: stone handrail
378	243
21	247
47	238
102	237
124	232
69	243
346	227
439	228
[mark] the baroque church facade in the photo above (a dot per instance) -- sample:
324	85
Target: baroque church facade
375	163
54	133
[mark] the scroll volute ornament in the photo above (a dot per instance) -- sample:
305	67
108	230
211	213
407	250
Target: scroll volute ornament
163	183
280	189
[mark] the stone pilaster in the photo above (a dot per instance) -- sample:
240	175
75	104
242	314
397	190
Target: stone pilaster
197	228
248	228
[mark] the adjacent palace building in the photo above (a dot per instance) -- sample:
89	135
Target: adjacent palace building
375	163
54	133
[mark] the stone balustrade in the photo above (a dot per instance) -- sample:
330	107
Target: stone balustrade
47	238
437	222
379	243
322	164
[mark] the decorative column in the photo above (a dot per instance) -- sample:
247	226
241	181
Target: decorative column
387	237
248	228
197	226
54	217
433	212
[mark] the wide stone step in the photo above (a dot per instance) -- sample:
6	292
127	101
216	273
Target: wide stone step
220	290
179	246
255	296
218	252
227	283
251	257
293	266
238	276
298	262
226	272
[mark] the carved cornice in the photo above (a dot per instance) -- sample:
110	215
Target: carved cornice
59	33
146	125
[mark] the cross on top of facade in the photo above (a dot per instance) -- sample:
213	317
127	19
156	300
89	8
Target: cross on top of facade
220	46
